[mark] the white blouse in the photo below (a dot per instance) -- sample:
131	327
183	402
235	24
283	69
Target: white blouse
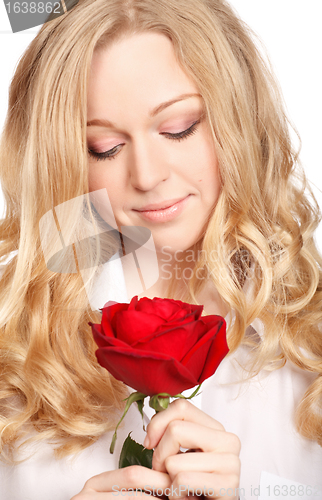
42	477
277	463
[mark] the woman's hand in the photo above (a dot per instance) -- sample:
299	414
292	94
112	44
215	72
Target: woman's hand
212	463
108	485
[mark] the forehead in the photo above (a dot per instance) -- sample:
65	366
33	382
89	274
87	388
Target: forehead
138	71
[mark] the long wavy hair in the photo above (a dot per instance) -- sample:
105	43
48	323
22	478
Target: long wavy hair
261	228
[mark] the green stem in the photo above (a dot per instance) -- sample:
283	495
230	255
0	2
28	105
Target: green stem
135	396
195	392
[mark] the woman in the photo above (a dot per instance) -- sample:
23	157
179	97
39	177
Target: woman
178	97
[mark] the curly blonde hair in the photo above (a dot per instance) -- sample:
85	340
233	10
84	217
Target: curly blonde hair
261	228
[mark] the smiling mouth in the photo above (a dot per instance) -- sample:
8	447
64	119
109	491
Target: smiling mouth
160	206
166	213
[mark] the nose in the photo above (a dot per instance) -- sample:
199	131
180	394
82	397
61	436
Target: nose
147	165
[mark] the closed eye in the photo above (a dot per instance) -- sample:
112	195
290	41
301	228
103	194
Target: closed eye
112	153
106	155
185	133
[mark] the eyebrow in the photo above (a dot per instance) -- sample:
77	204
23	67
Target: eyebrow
154	112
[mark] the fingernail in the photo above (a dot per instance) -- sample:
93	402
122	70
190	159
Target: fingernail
146	442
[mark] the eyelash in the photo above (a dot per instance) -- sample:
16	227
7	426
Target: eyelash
182	135
107	155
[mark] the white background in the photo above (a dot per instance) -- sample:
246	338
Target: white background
291	32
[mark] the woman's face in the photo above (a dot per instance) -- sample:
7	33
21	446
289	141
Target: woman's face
149	141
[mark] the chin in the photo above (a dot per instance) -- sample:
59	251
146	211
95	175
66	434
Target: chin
171	248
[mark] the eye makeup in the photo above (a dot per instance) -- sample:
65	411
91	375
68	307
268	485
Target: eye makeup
106	155
178	136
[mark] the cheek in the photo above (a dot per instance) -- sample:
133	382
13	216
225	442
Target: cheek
105	194
94	179
213	181
208	180
203	164
99	178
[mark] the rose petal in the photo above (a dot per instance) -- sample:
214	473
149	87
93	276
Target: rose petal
160	307
216	353
102	340
187	310
135	370
188	318
174	342
168	309
108	313
161	345
131	326
184	313
110	303
134	301
204	358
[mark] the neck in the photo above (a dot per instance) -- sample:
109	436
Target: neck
179	267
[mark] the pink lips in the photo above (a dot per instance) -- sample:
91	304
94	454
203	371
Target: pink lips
153	213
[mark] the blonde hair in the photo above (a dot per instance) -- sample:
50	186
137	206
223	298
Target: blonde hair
262	226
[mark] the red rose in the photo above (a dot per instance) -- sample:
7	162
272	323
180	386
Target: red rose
159	345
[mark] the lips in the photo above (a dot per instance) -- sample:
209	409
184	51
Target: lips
166	213
159	206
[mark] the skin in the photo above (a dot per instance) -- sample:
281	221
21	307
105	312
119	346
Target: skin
211	462
128	79
147	165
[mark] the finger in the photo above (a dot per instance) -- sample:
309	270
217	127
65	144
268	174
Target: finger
207	484
133	477
94	495
192	436
179	409
218	463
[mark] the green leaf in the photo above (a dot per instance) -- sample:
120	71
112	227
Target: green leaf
133	453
